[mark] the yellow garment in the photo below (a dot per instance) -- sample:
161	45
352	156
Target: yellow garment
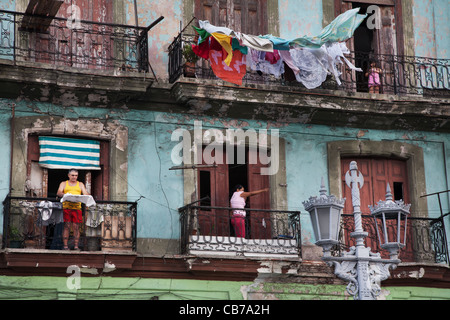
225	42
72	190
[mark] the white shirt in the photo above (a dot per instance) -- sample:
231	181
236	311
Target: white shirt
237	201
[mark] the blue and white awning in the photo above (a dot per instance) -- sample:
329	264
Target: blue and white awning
67	153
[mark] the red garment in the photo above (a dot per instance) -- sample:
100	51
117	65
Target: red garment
238	223
202	50
272	57
73	215
233	73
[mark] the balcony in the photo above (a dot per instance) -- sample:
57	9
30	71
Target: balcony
79	63
425	238
206	231
109	226
401	75
83	44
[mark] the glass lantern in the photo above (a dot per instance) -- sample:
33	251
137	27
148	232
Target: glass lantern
325	212
389	216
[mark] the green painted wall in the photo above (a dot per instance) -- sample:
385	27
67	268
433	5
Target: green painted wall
110	288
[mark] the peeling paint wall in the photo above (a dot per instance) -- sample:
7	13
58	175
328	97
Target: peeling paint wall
160	190
300	19
431	28
161	35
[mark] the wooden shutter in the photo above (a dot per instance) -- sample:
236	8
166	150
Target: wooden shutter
260	222
216	221
67	44
247	16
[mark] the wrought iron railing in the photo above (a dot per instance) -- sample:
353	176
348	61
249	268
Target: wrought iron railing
209	229
83	44
425	238
400	74
38	223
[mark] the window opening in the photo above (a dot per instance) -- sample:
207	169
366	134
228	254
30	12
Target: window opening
205	188
398	191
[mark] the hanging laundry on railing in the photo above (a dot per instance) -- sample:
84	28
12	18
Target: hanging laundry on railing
310	58
234	72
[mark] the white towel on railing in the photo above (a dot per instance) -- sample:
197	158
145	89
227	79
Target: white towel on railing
88	200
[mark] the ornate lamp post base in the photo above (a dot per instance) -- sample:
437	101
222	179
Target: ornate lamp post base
363	269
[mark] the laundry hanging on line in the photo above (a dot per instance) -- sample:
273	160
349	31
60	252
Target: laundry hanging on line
310	58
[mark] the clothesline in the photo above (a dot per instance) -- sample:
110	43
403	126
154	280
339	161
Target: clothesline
310	58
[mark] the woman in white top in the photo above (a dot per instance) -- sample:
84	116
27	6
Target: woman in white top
237	201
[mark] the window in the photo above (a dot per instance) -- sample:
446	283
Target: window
247	16
44	182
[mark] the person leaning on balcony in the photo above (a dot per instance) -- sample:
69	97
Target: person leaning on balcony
237	201
374	82
72	210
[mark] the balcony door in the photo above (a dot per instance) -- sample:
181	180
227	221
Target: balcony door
246	16
378	38
74	43
217	183
377	172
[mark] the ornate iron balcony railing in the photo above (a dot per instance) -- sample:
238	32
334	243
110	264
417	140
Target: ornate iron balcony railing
83	44
107	226
208	230
425	238
400	74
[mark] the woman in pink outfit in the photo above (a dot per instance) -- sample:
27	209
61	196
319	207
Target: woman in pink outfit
374	78
237	202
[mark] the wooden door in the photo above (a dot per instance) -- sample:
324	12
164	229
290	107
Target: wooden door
246	16
260	226
387	41
215	222
75	43
377	172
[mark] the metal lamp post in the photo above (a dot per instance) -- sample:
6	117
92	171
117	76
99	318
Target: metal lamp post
362	268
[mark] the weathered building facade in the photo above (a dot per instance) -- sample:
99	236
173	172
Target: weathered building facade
112	72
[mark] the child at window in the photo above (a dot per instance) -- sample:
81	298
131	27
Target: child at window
374	78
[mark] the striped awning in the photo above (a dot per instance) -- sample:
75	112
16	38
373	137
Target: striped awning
68	153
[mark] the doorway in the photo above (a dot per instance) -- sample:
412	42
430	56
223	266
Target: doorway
364	47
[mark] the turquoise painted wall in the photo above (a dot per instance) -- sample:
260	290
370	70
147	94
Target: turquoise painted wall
5	155
160	190
431	28
300	19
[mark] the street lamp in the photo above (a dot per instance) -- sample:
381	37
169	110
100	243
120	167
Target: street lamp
325	212
362	268
390	213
